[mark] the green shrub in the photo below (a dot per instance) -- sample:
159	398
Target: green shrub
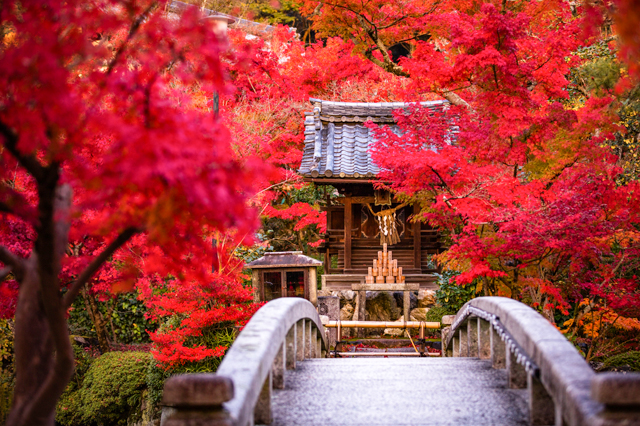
452	296
111	392
7	375
436	313
628	359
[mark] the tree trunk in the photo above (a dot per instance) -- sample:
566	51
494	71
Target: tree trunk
96	318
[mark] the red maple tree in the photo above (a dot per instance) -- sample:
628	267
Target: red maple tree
100	144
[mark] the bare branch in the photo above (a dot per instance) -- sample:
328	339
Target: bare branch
29	162
4	273
11	260
135	25
96	263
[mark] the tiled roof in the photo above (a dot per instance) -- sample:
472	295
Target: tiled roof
336	141
283	259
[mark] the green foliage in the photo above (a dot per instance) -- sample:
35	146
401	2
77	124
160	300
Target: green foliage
7	375
451	296
111	392
127	322
436	313
628	359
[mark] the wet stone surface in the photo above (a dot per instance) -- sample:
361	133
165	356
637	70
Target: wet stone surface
387	391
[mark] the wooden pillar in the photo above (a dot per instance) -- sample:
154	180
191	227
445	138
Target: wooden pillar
347	232
417	255
361	305
255	282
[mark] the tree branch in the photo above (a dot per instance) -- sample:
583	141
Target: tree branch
11	260
29	162
135	25
4	273
96	263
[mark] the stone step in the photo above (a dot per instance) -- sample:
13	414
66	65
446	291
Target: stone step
391	391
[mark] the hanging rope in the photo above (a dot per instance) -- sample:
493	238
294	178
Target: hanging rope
387	223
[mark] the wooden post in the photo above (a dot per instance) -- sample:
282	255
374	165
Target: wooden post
362	311
347	232
417	255
406	304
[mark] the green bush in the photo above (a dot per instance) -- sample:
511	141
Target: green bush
7	375
435	314
452	296
628	359
111	392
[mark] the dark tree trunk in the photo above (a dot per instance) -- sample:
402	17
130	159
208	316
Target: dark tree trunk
97	319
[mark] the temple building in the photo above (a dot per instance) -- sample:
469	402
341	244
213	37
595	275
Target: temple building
336	153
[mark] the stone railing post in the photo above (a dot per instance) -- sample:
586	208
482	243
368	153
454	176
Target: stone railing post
464	341
197	399
472	336
308	347
290	353
300	340
498	350
455	343
541	407
516	373
279	367
484	339
262	412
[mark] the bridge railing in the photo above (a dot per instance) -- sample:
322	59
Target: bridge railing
562	387
283	332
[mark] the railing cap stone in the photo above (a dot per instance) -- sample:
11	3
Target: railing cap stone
197	390
616	388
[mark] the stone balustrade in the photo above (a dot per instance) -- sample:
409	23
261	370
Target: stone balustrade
562	387
282	333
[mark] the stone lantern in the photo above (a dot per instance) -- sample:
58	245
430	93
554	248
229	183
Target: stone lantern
284	274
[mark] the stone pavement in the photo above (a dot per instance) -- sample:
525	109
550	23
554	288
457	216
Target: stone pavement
398	391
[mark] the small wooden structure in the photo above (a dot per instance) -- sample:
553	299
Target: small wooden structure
284	274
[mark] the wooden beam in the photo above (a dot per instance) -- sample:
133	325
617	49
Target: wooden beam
417	255
347	232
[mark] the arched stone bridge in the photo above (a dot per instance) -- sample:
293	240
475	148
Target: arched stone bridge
504	365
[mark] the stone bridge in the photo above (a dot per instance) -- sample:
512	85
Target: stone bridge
503	364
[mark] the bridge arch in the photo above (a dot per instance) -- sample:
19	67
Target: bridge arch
562	388
284	331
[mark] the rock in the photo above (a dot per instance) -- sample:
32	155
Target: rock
324	319
399	296
448	319
420	314
398	332
426	298
323	293
346	313
347	294
382	307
